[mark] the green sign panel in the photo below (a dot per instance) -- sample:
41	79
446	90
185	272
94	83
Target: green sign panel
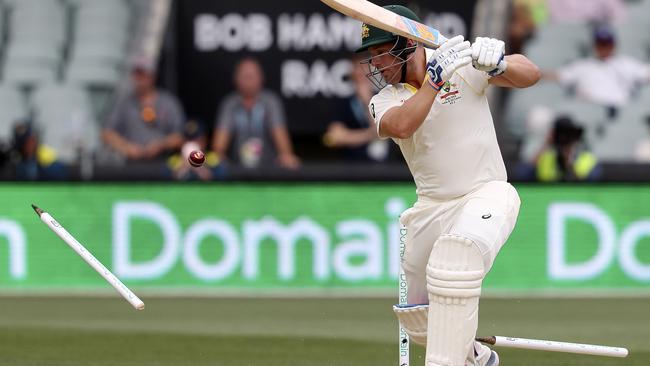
309	236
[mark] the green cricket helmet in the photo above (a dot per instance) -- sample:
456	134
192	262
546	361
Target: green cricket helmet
372	36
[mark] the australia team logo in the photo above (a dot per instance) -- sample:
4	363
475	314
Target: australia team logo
450	93
365	31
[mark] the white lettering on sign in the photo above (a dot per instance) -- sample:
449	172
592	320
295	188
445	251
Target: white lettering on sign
558	214
123	214
286	238
607	245
221	268
16	247
355	251
627	257
233	32
302	80
299	32
365	241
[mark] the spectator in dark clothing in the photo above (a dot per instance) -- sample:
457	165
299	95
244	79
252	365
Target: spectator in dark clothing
31	160
353	130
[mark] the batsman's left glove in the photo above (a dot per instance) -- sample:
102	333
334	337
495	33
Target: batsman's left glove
488	54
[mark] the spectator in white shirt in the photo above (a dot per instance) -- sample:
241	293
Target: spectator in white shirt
606	78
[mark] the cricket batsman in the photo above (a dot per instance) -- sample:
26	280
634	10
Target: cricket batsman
433	105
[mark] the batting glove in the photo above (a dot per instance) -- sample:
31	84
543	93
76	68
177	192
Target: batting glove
488	54
452	55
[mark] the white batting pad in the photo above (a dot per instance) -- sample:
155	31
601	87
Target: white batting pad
413	318
455	273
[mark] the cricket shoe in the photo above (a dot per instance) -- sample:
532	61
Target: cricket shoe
493	360
484	356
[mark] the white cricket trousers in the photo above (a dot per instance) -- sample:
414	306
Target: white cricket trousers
487	216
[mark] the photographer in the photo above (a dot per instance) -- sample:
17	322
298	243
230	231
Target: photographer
565	157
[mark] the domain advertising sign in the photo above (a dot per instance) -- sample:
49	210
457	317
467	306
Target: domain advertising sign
319	237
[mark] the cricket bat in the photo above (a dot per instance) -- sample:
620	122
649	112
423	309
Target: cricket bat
375	15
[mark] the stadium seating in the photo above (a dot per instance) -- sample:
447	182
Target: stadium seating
644	95
64	115
101	30
590	116
35	39
2	25
539	52
521	101
95	64
33	53
65	39
12	108
61	61
92	74
102	21
35	3
623	134
33	22
28	75
559	44
634	39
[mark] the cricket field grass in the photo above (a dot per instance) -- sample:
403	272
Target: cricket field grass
88	331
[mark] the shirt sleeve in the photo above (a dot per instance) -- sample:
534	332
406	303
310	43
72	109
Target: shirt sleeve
570	74
225	112
381	103
639	71
277	116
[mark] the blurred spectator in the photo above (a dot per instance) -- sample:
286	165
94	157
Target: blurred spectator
524	18
148	123
353	129
33	161
195	139
250	128
564	157
607	79
595	11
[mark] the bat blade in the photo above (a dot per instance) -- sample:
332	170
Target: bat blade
385	19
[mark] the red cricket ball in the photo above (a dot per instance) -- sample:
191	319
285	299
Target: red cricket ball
196	158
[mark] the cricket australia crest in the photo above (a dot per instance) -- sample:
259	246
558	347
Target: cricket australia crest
449	93
365	31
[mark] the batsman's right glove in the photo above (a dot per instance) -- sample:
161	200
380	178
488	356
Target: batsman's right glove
452	55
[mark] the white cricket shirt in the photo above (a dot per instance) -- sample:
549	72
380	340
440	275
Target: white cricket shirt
455	150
